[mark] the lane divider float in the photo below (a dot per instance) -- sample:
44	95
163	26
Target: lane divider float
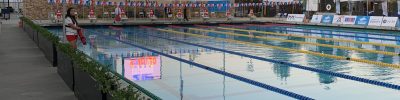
377	38
344	76
299	42
292	50
237	77
347	31
312	37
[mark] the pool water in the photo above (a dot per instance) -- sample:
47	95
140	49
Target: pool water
169	62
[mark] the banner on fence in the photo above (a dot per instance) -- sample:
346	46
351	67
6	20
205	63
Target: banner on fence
389	21
327	19
375	20
316	19
338	19
349	20
362	20
295	17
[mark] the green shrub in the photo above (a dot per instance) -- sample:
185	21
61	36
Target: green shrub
108	80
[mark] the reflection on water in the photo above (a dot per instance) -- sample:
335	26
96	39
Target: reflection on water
139	65
142	68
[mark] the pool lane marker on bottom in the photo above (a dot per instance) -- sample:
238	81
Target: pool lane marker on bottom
237	77
344	76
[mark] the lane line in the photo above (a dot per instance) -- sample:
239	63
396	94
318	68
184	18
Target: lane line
292	50
312	37
240	78
298	42
335	34
344	76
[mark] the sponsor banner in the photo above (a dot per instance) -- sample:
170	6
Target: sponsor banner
375	20
338	19
327	19
295	17
362	20
349	20
389	21
316	19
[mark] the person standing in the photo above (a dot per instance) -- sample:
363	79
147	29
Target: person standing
72	30
117	13
185	16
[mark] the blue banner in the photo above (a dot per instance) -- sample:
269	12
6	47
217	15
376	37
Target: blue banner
362	20
327	19
222	8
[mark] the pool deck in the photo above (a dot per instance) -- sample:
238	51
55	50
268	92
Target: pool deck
142	21
24	71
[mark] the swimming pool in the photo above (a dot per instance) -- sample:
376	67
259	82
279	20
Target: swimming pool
255	61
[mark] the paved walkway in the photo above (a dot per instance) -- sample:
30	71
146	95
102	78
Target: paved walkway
25	74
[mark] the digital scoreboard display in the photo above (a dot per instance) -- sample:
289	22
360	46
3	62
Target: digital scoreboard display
142	68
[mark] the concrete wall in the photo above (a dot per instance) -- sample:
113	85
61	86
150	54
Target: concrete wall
36	9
